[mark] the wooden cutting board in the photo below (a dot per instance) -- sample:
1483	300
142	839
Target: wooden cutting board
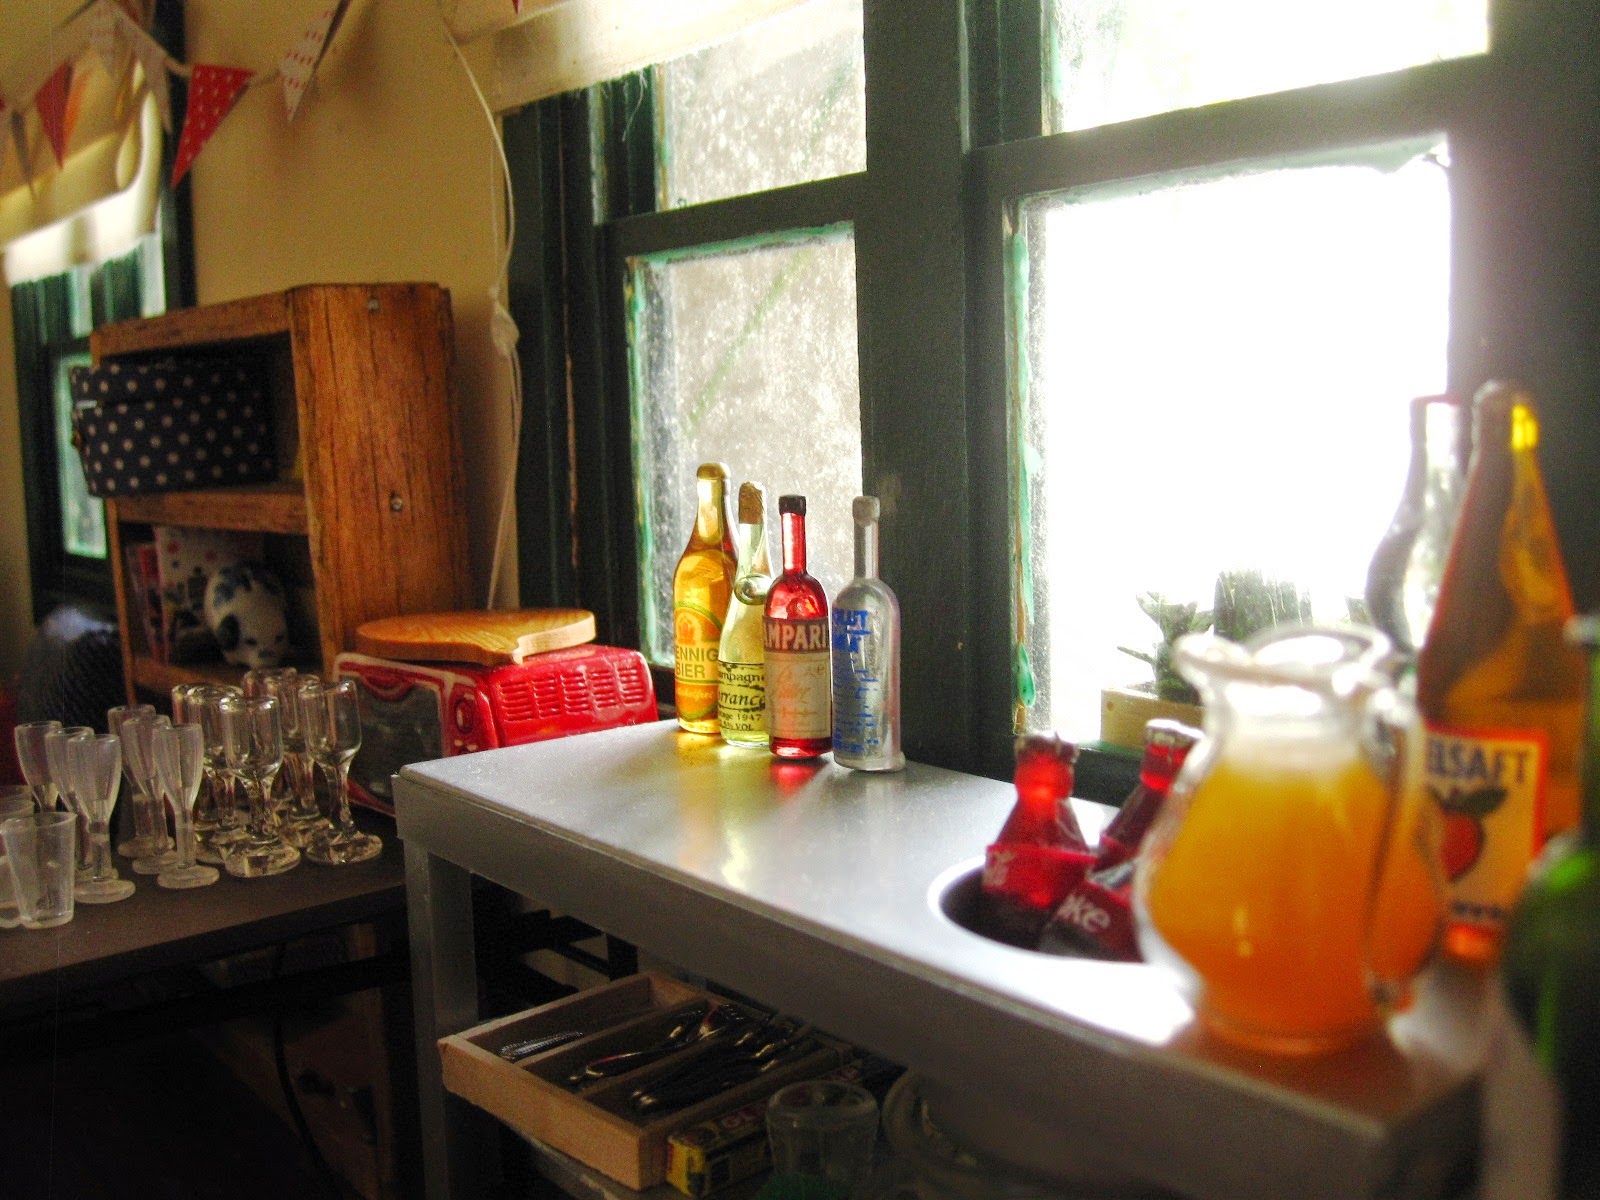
488	638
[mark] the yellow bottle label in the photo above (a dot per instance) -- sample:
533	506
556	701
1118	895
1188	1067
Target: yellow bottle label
742	701
695	634
1489	785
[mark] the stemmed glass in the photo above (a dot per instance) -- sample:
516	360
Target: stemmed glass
304	819
178	752
252	739
217	822
139	765
333	735
35	767
142	843
94	764
55	753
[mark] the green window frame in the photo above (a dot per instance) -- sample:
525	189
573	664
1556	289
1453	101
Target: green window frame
954	118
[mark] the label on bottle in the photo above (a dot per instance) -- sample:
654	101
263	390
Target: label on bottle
742	700
1489	786
696	634
799	691
860	691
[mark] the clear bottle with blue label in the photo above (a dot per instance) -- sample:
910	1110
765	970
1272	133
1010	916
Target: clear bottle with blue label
866	658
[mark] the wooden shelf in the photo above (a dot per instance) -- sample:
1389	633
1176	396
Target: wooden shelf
257	508
234	320
163	677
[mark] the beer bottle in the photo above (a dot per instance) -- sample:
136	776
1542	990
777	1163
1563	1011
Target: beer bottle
702	585
1499	688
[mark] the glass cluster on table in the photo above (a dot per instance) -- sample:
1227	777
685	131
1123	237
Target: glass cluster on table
233	770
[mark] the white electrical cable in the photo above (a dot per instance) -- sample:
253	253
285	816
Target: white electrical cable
503	327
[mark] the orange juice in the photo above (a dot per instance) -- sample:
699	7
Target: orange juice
1264	891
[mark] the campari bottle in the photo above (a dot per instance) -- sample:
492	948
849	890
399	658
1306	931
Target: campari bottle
1499	688
795	628
741	661
866	658
702	586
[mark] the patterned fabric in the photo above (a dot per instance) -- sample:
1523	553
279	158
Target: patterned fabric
170	425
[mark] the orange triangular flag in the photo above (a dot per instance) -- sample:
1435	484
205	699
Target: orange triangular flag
213	91
51	101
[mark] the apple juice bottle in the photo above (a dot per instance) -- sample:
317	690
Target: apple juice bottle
1499	689
795	629
866	658
702	585
741	661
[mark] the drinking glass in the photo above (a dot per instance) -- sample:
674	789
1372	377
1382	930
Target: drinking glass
333	734
39	847
142	842
301	818
217	820
178	752
252	740
55	753
35	769
94	764
140	768
15	801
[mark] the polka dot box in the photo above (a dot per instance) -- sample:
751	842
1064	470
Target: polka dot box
169	425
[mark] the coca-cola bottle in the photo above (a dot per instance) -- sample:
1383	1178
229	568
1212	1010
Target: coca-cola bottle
1096	918
1040	853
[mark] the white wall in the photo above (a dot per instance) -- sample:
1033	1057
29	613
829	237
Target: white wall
385	175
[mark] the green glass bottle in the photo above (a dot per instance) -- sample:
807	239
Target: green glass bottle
1551	967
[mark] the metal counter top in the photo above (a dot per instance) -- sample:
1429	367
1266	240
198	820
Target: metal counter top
816	890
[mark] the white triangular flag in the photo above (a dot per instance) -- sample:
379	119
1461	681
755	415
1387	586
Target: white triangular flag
299	63
105	35
154	61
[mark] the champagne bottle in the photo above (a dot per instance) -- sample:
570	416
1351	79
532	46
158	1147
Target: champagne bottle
866	658
1551	966
741	661
702	585
1404	574
795	631
1499	688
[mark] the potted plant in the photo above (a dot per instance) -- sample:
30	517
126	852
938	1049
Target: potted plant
1125	710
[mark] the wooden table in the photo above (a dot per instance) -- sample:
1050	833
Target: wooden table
46	973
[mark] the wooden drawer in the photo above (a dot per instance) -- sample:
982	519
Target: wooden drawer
596	1123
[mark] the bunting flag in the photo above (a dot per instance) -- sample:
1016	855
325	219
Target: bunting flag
51	101
213	91
19	139
5	145
105	35
153	60
300	62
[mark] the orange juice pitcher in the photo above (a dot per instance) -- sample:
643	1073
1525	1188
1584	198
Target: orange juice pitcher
1292	876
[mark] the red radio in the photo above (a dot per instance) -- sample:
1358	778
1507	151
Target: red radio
411	712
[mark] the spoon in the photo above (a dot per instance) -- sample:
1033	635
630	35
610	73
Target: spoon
697	1024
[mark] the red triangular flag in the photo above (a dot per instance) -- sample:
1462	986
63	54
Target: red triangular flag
213	91
51	101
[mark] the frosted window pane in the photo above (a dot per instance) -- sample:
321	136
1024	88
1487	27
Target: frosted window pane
784	102
1114	60
747	356
1218	379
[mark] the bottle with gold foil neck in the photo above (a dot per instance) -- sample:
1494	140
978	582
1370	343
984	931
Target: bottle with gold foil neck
702	586
741	661
1499	688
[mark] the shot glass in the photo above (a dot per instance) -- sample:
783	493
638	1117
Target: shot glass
824	1130
39	847
14	802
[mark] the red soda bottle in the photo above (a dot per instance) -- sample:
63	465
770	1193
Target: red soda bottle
1040	853
1096	917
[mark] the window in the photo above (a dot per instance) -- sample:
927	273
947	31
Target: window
1140	292
53	316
